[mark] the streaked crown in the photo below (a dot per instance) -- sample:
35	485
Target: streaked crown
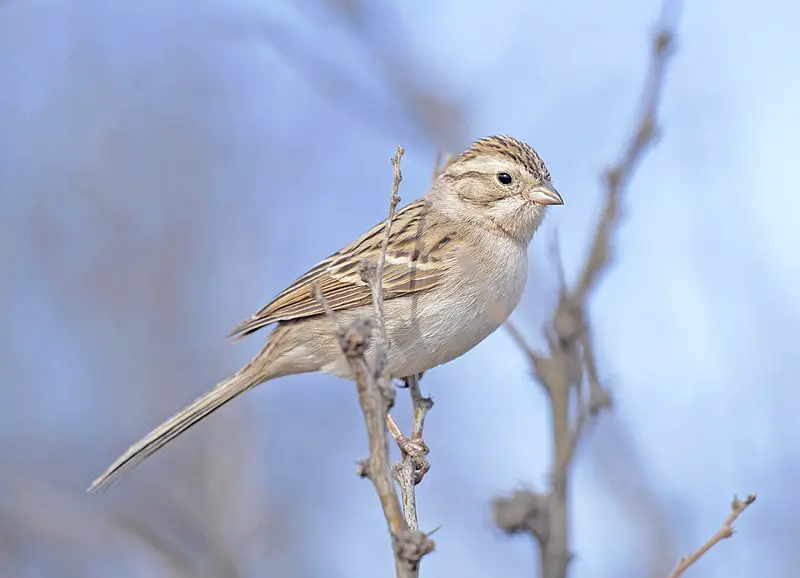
510	148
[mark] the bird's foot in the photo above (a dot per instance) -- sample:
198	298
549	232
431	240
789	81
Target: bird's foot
416	450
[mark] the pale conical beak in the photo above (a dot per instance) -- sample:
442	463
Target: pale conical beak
545	194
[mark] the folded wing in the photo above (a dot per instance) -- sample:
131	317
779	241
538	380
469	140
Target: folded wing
413	264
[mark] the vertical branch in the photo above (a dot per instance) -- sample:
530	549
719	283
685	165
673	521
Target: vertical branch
568	370
374	277
376	397
414	465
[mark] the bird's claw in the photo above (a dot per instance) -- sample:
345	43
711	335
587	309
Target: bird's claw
416	450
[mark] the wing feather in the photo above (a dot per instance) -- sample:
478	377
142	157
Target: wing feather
414	263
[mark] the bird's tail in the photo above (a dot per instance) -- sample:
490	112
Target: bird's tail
248	377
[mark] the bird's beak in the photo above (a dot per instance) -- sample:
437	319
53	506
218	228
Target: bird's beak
545	194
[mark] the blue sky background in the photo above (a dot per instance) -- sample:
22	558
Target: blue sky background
167	167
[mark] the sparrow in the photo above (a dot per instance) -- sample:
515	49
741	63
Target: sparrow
455	268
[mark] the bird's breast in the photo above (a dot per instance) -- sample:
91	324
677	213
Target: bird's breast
440	325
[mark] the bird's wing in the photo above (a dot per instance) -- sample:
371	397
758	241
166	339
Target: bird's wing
413	264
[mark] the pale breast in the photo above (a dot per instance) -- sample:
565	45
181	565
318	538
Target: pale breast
441	325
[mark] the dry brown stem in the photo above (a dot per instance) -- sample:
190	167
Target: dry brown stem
375	277
726	531
414	465
376	397
568	370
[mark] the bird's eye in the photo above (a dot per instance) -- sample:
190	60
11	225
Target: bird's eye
504	178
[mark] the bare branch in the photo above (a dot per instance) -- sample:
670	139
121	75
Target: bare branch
568	370
376	397
414	465
520	340
726	531
375	278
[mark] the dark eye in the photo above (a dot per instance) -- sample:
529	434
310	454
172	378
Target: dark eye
504	178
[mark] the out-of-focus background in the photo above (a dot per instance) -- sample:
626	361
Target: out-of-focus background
167	167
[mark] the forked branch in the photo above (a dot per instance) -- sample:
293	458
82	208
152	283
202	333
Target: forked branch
376	396
568	369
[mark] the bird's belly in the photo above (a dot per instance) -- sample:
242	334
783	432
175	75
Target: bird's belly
428	351
439	334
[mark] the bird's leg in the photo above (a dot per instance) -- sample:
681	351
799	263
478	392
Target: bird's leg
394	429
414	447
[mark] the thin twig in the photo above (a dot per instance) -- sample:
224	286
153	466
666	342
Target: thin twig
568	370
726	531
377	283
414	465
520	340
376	397
422	405
354	341
404	476
620	174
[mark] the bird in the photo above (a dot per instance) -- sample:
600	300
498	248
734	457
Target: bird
455	268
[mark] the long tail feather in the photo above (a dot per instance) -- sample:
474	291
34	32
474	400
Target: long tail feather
247	378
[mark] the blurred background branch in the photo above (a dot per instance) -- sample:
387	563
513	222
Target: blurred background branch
568	371
373	79
155	189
